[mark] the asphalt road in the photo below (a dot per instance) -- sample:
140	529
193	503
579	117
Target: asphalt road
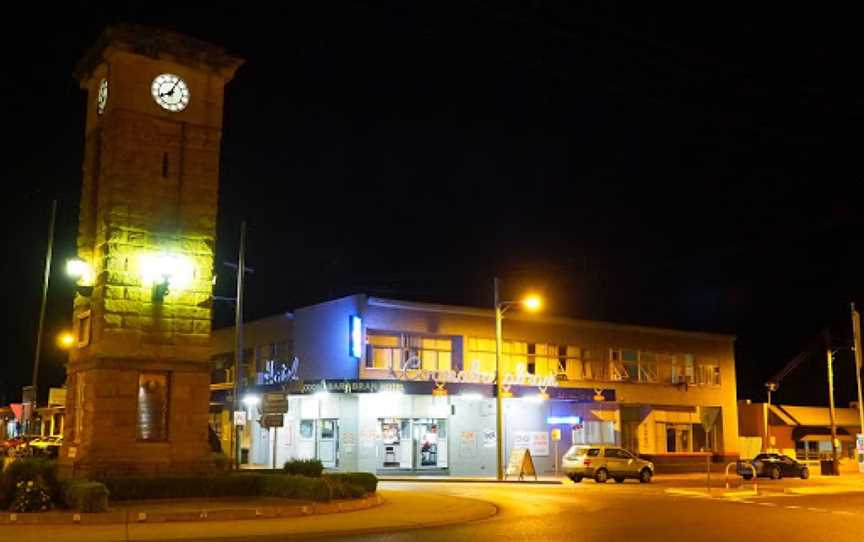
633	511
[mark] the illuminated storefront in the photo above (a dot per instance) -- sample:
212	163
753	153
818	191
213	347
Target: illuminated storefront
390	386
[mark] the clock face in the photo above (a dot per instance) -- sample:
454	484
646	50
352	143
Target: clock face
102	96
170	92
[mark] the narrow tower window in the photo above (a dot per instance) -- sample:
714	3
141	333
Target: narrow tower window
165	164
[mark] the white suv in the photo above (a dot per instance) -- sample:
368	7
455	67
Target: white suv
604	461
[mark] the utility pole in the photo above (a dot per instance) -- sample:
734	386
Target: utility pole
856	346
238	341
49	252
766	413
499	402
835	467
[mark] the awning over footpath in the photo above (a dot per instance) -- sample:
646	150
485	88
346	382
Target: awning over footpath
815	416
820	434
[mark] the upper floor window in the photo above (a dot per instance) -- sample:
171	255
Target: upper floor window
683	371
708	374
394	351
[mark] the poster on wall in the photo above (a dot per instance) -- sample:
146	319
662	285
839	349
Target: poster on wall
535	441
287	435
467	444
367	438
347	442
539	443
489	440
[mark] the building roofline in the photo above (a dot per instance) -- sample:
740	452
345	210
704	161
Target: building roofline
592	324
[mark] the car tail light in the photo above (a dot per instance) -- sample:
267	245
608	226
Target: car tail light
587	462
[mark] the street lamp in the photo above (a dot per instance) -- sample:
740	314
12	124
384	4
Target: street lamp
65	340
533	304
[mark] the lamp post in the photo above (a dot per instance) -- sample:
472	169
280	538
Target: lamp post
47	275
531	303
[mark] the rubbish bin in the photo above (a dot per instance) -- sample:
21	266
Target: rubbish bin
826	467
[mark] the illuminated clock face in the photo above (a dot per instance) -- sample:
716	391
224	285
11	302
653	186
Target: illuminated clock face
102	96
170	92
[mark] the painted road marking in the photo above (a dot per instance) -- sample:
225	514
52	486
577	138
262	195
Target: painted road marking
816	509
766	504
794	507
844	512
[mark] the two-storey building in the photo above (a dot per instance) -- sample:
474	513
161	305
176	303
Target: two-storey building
392	386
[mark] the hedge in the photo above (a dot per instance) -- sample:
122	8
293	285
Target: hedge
366	481
304	467
296	487
85	496
127	489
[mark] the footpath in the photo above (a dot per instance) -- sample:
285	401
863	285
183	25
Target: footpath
220	519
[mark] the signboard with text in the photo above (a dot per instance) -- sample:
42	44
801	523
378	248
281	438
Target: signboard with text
520	464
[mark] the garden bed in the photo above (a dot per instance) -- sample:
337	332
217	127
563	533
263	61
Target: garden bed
31	485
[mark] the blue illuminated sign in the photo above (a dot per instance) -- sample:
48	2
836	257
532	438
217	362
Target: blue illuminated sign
355	337
564	420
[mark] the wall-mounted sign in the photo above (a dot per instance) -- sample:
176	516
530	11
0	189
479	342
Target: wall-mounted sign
489	440
563	420
355	337
352	386
240	417
412	369
279	372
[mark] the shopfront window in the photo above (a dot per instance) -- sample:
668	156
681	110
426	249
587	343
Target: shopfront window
307	429
413	444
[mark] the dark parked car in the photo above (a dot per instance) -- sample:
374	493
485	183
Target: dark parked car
774	466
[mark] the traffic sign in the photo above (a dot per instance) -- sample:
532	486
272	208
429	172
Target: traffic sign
272	420
274	403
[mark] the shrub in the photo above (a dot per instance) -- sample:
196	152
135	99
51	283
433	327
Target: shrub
341	488
295	487
367	481
311	468
31	496
238	485
25	470
85	496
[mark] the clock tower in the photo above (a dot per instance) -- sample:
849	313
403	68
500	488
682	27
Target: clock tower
138	377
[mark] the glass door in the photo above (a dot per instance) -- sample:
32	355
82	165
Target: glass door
328	442
430	436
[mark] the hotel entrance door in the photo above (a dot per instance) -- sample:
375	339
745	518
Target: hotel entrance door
328	439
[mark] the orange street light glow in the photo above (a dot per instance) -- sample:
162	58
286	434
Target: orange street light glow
65	340
532	303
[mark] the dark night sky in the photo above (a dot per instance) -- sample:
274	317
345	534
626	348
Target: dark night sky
694	168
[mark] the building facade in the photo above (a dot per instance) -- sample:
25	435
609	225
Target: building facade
797	431
391	386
